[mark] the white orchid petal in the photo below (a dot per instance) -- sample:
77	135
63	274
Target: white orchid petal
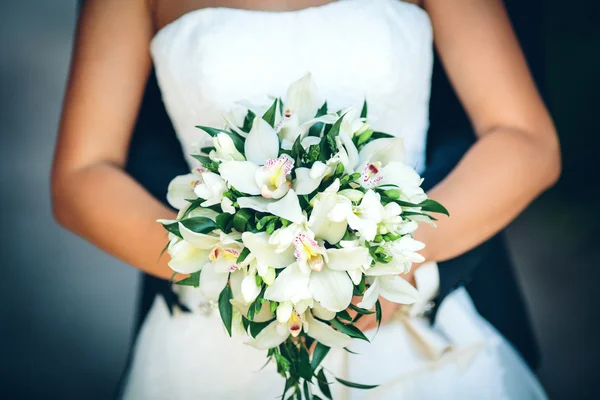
212	282
309	141
325	334
396	289
287	207
321	312
255	203
385	151
284	311
320	223
180	189
250	290
262	143
186	258
348	259
233	125
290	285
333	289
302	98
304	182
269	337
370	296
240	175
227	205
385	269
266	253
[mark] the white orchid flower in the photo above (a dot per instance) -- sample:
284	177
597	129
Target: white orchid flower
377	155
288	207
320	274
394	223
210	188
190	253
308	179
284	237
268	256
391	287
404	253
406	179
279	330
364	217
214	275
181	188
299	109
225	150
320	223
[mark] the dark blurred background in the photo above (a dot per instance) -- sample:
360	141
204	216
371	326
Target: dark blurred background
67	309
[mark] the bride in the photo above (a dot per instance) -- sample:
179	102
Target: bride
210	54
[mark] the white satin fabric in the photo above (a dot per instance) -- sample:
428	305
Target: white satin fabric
379	49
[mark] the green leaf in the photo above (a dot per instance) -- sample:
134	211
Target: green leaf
241	218
199	224
316	129
335	129
344	315
378	314
318	355
323	384
238	141
324	149
173	228
248	121
381	135
196	203
433	206
203	159
297	150
306	390
351	352
224	222
359	310
257	327
192	280
271	114
365	110
303	365
264	221
349	330
355	385
225	308
245	253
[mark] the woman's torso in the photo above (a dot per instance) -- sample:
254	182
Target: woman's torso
381	50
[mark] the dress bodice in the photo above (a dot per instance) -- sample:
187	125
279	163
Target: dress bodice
380	50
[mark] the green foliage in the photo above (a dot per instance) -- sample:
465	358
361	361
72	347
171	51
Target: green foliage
319	355
355	385
271	114
241	218
225	308
349	330
199	224
365	110
192	280
317	128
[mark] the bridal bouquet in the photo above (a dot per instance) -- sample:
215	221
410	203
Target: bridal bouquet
290	214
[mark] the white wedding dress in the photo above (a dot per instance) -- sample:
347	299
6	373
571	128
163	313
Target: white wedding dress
209	59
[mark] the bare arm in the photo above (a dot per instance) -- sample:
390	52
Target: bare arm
517	154
92	196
